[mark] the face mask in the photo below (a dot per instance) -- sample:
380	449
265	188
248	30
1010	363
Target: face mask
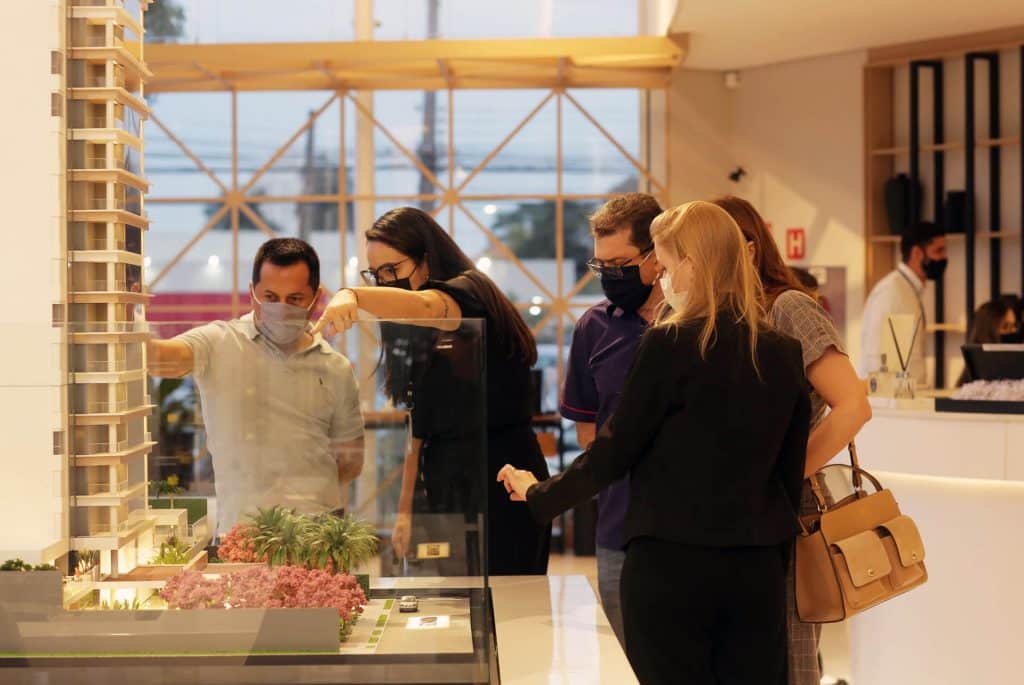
1014	338
401	283
676	300
282	323
934	268
629	292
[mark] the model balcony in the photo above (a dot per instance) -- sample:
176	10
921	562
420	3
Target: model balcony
112	454
103	162
107	332
97	3
108	536
108	372
106	413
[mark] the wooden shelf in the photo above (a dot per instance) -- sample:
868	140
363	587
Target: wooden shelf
947	327
902	150
997	142
1004	235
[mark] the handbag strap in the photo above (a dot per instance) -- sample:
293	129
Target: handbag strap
855	463
858	475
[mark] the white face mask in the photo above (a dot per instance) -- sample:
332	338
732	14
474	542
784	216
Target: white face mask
676	300
282	323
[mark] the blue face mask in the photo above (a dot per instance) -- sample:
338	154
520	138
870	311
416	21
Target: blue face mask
282	323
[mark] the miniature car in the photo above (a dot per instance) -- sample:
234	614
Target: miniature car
408	604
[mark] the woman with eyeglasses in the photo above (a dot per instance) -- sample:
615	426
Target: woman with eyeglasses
712	429
416	271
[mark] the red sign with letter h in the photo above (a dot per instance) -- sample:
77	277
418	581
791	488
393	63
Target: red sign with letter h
796	246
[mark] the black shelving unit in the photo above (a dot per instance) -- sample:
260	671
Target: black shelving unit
938	171
991	59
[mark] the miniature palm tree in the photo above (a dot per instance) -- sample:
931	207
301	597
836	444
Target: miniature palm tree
169	487
280	535
345	542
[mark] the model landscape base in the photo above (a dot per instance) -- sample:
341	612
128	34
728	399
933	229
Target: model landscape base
34	623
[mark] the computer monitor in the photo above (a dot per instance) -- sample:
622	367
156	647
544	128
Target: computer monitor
993	362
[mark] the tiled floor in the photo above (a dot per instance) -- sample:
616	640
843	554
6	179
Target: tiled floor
835	647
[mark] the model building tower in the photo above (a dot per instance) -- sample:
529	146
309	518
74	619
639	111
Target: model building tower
107	389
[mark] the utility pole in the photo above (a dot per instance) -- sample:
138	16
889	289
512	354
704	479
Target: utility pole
427	149
306	209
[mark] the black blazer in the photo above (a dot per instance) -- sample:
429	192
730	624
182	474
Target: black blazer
715	454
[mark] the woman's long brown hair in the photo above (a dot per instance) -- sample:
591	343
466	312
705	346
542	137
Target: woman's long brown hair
416	234
776	277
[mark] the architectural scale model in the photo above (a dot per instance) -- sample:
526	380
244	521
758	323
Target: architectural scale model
95	478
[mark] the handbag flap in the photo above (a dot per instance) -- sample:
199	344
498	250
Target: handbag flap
865	557
865	513
907	538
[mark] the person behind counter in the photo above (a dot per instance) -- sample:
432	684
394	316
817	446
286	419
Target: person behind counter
923	253
712	430
994	322
431	278
834	388
280	405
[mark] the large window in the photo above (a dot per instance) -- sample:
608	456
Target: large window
513	173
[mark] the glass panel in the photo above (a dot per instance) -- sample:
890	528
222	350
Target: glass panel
593	163
255	21
404	115
284	481
266	121
527	164
533	18
202	121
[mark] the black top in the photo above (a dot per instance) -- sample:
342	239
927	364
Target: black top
715	454
508	380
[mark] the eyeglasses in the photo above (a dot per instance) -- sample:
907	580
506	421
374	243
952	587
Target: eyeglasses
385	273
614	271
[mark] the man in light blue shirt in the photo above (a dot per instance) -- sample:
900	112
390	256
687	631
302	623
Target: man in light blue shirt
280	405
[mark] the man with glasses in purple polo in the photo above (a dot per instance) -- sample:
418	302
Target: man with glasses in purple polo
603	345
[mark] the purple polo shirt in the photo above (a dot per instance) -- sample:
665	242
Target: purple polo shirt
604	343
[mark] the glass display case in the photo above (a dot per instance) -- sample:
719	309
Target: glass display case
214	506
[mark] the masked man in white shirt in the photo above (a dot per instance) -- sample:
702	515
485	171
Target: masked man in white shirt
280	405
923	252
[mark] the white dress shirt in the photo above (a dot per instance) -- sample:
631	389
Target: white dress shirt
274	421
899	292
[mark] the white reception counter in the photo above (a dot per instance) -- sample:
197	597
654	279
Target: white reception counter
961	477
922	441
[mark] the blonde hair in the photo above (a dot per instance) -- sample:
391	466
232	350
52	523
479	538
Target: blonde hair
724	278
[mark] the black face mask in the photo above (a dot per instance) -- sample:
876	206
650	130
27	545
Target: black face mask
403	283
629	292
934	268
1014	338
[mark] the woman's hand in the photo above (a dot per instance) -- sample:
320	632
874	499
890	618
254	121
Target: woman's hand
340	314
401	534
516	482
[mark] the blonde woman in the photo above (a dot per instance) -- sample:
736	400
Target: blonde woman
712	429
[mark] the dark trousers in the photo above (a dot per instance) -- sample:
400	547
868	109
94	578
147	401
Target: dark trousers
705	615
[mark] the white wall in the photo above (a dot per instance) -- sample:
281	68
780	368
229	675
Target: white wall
701	142
799	133
797	129
31	378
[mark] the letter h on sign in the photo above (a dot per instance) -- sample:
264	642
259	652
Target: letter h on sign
796	247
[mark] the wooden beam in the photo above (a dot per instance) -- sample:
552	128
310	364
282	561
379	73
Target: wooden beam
950	46
432	65
262	55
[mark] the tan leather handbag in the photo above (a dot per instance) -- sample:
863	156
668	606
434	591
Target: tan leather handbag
856	552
